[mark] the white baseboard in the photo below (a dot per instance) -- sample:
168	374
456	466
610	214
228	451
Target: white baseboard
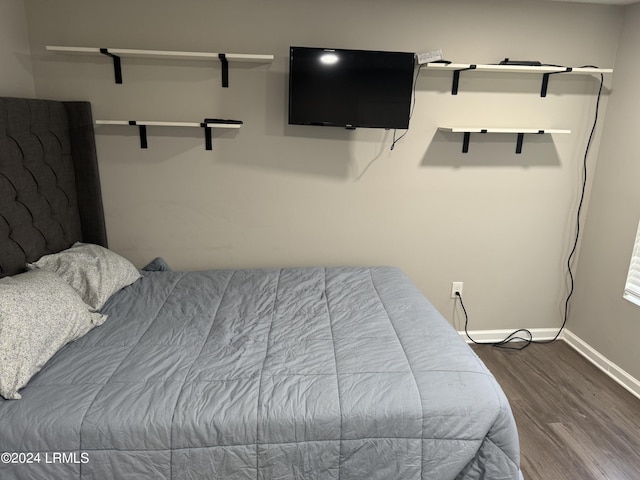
603	363
607	366
484	336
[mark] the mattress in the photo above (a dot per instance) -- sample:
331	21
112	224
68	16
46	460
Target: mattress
302	373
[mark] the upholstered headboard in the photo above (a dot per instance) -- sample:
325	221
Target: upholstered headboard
50	193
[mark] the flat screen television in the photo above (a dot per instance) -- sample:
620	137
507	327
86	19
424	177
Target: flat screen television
350	88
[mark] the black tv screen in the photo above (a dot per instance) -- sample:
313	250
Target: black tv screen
350	88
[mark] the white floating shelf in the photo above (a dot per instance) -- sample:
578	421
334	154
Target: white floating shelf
516	68
153	123
163	54
116	53
520	132
143	124
545	70
503	130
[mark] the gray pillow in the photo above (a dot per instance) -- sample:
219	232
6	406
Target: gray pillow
157	265
93	271
39	314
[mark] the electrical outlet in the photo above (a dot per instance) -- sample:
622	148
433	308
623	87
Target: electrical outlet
456	287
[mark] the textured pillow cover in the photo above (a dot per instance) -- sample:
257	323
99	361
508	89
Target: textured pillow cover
39	314
93	271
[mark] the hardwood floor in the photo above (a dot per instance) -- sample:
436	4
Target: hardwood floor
574	422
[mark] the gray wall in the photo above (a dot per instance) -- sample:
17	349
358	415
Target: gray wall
600	315
16	76
272	194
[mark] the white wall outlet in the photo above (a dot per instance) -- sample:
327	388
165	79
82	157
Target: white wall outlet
456	287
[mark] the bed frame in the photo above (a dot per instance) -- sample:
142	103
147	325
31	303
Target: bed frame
50	197
50	194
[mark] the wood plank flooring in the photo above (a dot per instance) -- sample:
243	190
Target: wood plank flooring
574	422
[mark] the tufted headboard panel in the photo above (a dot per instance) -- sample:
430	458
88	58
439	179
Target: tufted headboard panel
50	193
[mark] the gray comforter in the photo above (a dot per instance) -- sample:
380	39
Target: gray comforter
336	373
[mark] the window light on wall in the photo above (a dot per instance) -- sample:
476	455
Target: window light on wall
632	287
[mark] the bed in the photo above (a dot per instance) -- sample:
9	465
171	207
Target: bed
294	373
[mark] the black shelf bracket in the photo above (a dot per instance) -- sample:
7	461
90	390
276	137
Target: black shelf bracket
466	138
142	129
456	78
545	80
225	69
519	143
208	141
117	66
208	127
465	142
519	140
143	135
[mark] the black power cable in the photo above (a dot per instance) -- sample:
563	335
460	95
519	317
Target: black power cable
514	336
413	104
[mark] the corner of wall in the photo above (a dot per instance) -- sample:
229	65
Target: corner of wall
15	54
